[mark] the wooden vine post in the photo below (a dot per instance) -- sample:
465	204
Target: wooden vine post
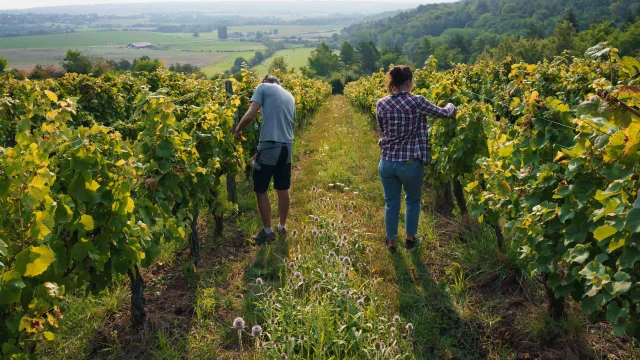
231	178
232	195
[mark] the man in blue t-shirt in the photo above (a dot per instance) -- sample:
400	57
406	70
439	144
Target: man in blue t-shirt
274	151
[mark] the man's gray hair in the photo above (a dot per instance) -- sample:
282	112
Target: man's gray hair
270	79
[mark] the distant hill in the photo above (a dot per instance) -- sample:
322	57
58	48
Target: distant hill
294	9
487	18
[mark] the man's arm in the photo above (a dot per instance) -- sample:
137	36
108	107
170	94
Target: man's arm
247	119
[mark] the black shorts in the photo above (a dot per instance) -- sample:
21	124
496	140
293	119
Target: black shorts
281	173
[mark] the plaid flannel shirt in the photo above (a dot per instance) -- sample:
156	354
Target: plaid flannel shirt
402	122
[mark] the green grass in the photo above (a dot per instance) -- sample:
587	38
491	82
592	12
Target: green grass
218	45
293	57
99	38
226	63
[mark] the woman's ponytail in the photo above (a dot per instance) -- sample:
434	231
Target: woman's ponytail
398	76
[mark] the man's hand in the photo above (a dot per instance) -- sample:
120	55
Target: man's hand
237	135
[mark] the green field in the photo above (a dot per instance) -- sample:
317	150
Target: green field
218	45
225	63
98	38
293	57
206	51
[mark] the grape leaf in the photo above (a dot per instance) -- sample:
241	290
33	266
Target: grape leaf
11	286
34	260
604	232
633	220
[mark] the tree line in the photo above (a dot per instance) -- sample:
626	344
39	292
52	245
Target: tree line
77	62
474	30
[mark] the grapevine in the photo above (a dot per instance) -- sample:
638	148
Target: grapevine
551	151
95	173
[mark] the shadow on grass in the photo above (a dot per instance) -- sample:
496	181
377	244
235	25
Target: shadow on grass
439	332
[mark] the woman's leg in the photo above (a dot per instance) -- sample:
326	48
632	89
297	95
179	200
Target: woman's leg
392	191
412	176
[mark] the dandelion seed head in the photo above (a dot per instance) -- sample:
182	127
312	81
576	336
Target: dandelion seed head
332	253
333	224
393	330
256	330
294	232
341	258
409	327
314	232
396	319
283	356
346	259
316	287
360	302
345	237
316	219
259	281
238	323
297	275
368	250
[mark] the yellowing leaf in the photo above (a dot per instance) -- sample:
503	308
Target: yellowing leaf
53	97
614	245
40	258
563	108
129	207
87	221
604	232
93	185
120	162
48	335
471	186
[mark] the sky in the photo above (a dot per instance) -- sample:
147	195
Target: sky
25	4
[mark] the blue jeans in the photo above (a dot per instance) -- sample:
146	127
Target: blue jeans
394	176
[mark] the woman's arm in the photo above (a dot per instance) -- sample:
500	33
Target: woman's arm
429	109
379	119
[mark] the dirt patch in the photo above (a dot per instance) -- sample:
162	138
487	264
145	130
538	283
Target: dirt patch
170	297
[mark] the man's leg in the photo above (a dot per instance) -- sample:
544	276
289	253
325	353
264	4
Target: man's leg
261	178
283	206
264	207
282	183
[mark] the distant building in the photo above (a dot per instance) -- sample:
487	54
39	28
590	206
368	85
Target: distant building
235	35
251	34
140	45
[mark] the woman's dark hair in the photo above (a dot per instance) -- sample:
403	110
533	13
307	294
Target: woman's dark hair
398	76
270	79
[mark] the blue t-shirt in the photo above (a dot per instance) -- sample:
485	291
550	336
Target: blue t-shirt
278	113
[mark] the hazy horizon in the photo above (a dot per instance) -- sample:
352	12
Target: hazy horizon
34	4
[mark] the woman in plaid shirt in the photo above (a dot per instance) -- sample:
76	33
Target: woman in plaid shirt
402	122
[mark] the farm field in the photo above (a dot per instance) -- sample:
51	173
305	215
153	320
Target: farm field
296	58
26	59
98	38
207	51
225	63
